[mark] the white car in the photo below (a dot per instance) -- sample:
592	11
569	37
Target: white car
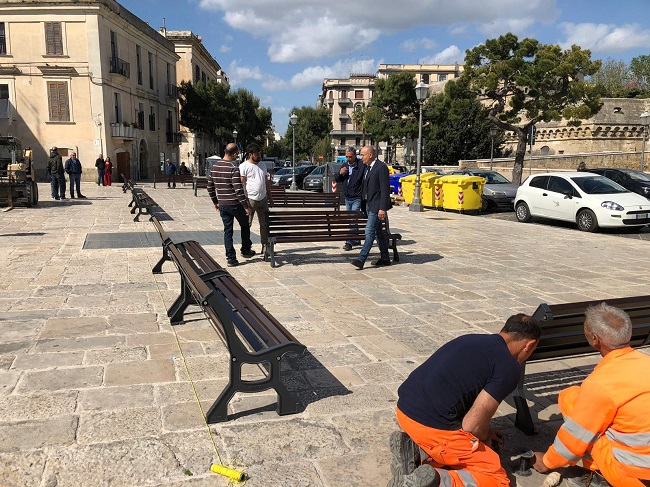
588	199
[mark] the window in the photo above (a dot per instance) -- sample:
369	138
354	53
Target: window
197	74
3	39
344	110
442	77
344	94
117	108
57	100
168	73
150	61
425	79
539	182
152	119
53	39
560	185
140	116
138	60
170	122
358	94
204	78
113	45
344	126
4	101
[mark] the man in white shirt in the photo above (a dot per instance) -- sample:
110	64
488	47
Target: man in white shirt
257	187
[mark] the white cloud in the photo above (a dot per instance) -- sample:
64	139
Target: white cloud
314	75
299	30
238	74
411	45
605	37
450	55
224	48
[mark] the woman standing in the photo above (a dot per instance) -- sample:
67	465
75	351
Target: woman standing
108	172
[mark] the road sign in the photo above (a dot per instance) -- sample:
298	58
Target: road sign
320	157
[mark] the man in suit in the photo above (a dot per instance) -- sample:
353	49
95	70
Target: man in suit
375	193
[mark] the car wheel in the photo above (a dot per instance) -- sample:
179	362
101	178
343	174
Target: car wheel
523	212
485	204
587	221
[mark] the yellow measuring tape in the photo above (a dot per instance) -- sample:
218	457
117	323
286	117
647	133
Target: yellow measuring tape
219	468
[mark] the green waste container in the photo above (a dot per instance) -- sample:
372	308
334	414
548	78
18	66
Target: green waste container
462	193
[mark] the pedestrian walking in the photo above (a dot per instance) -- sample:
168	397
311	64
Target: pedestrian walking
73	169
257	187
100	164
170	171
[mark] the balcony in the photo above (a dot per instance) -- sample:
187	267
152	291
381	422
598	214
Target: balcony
344	117
120	131
173	138
345	101
119	66
329	101
172	91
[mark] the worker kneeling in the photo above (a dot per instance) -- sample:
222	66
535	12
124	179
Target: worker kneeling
607	417
446	404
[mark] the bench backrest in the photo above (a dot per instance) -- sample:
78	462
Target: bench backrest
161	231
210	283
563	326
324	222
306	200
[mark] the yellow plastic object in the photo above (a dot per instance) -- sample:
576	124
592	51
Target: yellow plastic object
427	191
461	193
228	472
408	188
438	193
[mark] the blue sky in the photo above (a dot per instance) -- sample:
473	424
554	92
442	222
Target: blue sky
281	50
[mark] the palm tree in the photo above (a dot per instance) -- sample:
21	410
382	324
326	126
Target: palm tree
359	119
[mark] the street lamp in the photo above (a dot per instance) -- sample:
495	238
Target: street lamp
421	93
293	120
645	116
234	136
493	134
333	146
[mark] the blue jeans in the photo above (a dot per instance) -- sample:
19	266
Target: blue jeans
353	204
228	216
373	230
100	176
75	181
57	184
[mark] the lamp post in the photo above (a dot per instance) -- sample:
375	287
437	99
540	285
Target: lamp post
333	146
421	93
293	120
234	136
493	134
645	119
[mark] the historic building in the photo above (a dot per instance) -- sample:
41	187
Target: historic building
195	65
88	76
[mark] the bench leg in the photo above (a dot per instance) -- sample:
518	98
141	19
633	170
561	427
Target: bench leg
394	247
157	269
272	253
177	309
287	404
136	218
523	419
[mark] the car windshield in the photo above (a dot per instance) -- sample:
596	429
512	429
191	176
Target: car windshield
302	169
317	171
283	171
492	177
637	175
598	185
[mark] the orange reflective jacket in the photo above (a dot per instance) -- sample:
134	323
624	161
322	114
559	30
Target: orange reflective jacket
611	406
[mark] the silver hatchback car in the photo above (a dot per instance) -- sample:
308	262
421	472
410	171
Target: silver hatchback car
498	191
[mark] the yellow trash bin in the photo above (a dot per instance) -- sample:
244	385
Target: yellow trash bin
427	184
438	193
408	188
462	193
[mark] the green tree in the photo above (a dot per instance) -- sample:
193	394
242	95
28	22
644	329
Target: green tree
612	78
359	119
640	68
393	108
251	121
457	126
323	148
313	125
207	108
525	82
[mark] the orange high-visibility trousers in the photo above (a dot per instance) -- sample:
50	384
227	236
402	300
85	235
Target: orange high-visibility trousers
461	459
601	450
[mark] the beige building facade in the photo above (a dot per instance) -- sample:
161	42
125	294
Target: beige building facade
195	65
88	76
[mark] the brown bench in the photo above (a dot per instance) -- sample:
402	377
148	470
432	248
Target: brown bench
141	202
320	226
199	182
128	184
563	336
178	178
305	199
251	334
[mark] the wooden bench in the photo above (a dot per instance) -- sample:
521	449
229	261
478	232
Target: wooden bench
320	226
128	184
251	334
141	202
300	199
199	182
178	178
563	336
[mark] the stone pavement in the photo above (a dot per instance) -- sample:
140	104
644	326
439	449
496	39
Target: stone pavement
94	391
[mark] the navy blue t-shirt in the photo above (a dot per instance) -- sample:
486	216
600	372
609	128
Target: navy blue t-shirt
441	391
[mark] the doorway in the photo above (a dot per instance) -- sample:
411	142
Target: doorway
142	160
123	165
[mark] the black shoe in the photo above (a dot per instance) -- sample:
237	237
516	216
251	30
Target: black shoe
406	454
357	263
423	476
357	243
62	197
81	196
56	198
381	262
347	247
248	253
71	197
232	263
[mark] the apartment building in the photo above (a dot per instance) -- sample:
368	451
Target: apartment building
195	65
345	96
88	76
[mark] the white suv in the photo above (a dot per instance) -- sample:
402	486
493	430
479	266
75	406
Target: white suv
588	199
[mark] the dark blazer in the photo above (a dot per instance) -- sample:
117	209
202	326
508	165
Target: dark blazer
352	183
376	187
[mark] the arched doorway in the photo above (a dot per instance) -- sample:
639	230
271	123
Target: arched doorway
142	160
123	164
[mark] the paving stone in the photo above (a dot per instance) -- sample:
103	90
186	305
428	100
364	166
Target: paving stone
37	406
149	371
61	379
115	355
115	425
17	436
74	344
22	468
8	381
110	398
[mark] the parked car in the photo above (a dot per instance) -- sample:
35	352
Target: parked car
400	169
279	173
395	178
314	181
286	179
588	199
636	181
498	191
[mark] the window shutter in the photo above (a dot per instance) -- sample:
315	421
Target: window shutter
53	39
59	106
